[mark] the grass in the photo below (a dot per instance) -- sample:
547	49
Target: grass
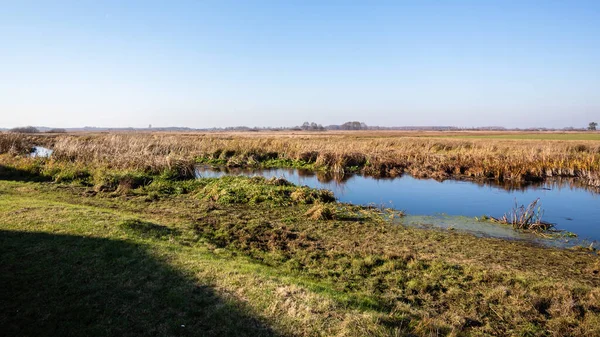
66	285
255	190
245	256
432	155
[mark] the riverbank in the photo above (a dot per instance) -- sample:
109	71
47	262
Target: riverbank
381	154
130	253
455	204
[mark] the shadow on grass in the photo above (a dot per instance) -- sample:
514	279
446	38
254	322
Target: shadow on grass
11	173
147	229
59	285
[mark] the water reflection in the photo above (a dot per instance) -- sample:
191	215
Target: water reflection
568	204
323	177
40	152
549	184
332	180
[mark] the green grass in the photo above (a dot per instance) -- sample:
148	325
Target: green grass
77	269
264	162
212	258
62	274
255	190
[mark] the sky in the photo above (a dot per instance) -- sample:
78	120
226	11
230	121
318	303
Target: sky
226	63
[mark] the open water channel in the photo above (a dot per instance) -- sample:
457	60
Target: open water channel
456	204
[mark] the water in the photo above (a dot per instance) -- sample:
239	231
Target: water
454	204
39	151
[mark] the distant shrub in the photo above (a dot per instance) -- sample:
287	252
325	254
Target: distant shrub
354	126
24	129
57	130
312	127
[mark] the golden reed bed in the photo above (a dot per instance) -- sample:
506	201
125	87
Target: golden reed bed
439	155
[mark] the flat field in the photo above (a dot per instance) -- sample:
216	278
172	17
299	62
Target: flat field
112	236
526	135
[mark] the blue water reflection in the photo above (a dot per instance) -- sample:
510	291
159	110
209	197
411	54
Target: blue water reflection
573	208
40	152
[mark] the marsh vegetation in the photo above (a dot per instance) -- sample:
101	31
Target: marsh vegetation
372	153
113	234
527	218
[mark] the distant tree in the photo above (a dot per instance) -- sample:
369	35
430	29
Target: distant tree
354	126
56	130
24	129
312	126
592	126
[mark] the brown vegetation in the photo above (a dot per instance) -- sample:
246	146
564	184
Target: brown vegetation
14	143
371	153
528	218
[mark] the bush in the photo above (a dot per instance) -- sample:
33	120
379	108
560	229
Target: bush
24	129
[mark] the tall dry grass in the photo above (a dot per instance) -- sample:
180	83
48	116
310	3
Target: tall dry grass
15	143
377	154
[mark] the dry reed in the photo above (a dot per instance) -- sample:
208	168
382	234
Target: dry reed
376	154
527	218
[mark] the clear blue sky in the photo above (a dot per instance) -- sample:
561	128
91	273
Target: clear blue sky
280	63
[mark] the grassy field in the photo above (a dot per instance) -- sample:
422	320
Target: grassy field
90	250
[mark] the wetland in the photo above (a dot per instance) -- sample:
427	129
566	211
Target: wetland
130	223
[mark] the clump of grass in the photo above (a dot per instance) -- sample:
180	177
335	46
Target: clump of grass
14	167
527	218
66	172
255	190
120	181
321	212
164	186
